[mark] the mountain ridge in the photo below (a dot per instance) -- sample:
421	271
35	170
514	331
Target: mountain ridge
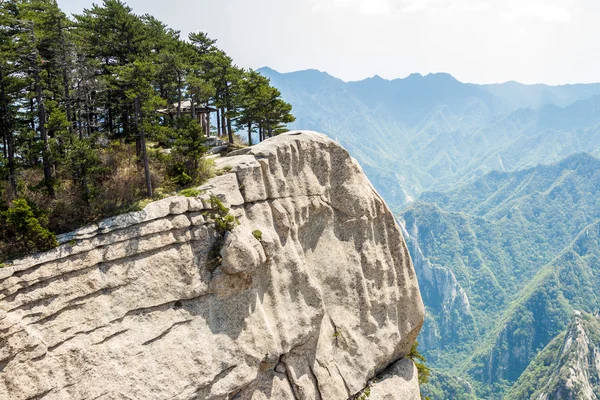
437	135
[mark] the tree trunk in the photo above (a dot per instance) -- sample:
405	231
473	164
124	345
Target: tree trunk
207	123
178	95
4	143
7	135
110	121
229	130
42	120
249	133
228	104
270	131
218	123
142	141
78	111
192	107
126	122
223	125
65	74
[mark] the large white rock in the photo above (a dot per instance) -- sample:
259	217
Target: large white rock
134	309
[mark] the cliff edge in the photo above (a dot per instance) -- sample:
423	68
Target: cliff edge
314	295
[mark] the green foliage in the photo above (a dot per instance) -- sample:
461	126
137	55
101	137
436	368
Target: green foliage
524	247
365	394
419	361
179	175
190	192
551	373
223	220
224	170
25	229
445	386
257	234
91	122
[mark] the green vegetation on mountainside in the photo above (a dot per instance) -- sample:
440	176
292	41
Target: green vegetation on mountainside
524	247
568	367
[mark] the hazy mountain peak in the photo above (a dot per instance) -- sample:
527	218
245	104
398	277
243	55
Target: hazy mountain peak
414	75
442	76
579	159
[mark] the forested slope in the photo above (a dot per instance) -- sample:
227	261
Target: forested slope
523	248
102	111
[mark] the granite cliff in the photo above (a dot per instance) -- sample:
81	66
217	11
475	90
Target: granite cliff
321	304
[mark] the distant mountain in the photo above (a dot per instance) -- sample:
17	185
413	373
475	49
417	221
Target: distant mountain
502	262
433	132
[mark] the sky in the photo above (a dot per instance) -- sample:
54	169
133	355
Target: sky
479	41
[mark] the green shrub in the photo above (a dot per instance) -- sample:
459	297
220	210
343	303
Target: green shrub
27	230
257	235
419	361
179	175
224	222
190	192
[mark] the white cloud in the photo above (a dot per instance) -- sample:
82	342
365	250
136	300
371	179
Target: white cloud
374	7
537	11
452	6
548	11
364	7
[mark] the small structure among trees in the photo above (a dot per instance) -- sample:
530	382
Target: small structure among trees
198	112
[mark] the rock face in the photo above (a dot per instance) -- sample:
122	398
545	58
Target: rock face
137	308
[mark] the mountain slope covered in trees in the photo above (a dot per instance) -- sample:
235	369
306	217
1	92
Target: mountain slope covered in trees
522	250
568	368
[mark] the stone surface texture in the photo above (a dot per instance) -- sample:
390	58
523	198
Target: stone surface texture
131	308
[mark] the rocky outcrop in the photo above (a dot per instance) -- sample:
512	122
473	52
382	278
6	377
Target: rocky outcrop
313	295
568	368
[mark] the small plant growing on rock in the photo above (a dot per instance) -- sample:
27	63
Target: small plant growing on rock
190	192
419	361
362	395
257	235
224	222
365	395
224	170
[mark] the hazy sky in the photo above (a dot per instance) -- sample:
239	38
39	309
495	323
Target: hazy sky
482	41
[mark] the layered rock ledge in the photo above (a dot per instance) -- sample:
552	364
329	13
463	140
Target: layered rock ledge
325	304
